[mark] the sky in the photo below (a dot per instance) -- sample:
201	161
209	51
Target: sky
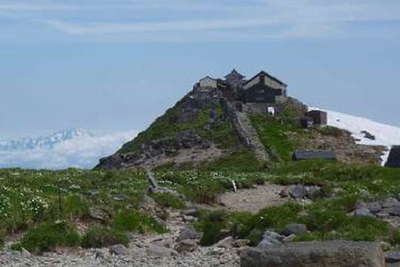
115	65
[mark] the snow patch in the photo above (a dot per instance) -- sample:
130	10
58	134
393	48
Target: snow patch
385	135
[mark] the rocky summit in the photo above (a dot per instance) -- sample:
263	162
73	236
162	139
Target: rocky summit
220	118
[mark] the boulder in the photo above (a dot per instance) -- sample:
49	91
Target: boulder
302	191
297	191
390	203
118	250
270	239
374	207
317	253
295	228
98	214
188	232
363	212
395	211
392	256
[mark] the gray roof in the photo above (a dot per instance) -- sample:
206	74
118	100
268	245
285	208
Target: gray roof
394	157
268	75
303	155
234	75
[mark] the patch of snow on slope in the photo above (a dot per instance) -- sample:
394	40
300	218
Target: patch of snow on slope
385	135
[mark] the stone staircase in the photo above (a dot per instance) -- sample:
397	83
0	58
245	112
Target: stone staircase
247	133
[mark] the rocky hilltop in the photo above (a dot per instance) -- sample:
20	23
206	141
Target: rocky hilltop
222	119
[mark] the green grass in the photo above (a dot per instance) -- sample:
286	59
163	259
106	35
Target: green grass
98	236
48	236
168	125
273	135
135	221
168	200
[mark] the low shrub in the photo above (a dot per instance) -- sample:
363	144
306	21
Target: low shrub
135	221
48	236
98	237
211	224
168	200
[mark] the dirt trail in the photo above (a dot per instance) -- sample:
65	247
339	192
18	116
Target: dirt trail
251	200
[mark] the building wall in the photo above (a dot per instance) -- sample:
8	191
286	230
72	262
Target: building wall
272	83
252	83
260	93
208	82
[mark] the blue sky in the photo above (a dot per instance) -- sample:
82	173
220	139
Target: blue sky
115	65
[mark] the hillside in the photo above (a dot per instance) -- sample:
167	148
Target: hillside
217	124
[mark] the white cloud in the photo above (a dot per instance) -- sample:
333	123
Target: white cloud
34	7
80	152
189	20
294	19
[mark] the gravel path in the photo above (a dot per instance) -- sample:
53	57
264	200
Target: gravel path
253	200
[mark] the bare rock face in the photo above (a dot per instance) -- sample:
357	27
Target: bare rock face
313	254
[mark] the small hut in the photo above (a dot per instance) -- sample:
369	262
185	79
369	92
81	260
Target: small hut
394	158
306	122
307	155
319	117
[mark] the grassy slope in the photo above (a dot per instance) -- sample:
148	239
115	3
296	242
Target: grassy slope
221	133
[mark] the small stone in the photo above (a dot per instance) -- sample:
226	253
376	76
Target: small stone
225	243
25	253
284	193
188	245
191	212
118	250
289	238
98	214
160	252
241	243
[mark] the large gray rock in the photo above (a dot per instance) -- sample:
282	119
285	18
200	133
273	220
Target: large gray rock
270	239
315	254
392	256
363	212
187	232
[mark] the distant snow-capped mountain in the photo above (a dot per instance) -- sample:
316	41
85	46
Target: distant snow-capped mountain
43	142
68	148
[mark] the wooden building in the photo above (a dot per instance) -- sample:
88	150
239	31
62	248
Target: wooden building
235	79
306	122
308	155
264	88
319	117
394	158
208	83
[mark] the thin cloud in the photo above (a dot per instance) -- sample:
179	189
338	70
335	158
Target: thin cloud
35	7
